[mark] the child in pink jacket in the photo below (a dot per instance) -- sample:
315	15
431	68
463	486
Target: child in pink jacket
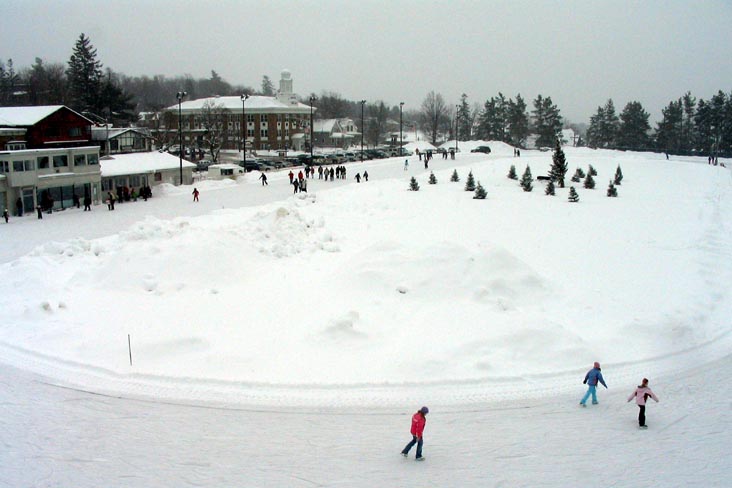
641	394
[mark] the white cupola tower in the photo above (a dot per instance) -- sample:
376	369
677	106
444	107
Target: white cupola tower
285	94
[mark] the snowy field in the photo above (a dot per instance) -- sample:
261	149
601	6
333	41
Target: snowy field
286	339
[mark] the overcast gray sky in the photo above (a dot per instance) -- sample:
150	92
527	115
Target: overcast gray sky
578	52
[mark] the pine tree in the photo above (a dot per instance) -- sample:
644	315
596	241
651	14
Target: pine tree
512	173
480	192
634	127
580	173
413	185
589	182
559	166
573	197
433	179
470	184
618	176
612	191
526	180
454	177
84	73
576	176
550	189
547	121
592	171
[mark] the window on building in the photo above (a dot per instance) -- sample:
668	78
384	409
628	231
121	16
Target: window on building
135	181
4	167
74	131
92	159
42	162
79	160
227	172
250	118
250	132
15	146
263	134
114	145
60	161
158	176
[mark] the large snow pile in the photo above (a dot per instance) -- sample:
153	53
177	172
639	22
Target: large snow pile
371	285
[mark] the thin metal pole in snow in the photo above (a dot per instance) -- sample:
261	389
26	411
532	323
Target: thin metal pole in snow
129	347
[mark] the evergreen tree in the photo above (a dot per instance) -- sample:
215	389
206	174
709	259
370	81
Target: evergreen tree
9	81
559	168
465	120
512	173
612	191
480	192
454	177
575	178
594	131
618	176
547	122
589	182
573	196
527	179
550	189
580	173
668	132
518	122
413	185
634	128
610	125
687	122
84	73
592	171
268	88
470	184
433	179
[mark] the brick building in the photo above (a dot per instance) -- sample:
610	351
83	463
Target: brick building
277	122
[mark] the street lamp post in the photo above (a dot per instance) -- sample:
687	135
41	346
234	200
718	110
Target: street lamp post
457	118
180	96
244	129
401	143
363	128
312	133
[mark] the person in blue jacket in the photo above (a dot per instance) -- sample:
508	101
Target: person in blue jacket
592	377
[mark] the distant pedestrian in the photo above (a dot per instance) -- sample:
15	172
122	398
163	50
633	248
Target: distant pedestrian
87	203
110	201
39	210
75	200
358	178
518	152
419	154
641	394
291	175
304	185
295	186
195	194
332	174
366	176
320	172
406	164
418	423
426	163
6	215
19	207
592	377
263	177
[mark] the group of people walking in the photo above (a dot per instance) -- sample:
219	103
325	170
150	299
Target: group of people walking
640	394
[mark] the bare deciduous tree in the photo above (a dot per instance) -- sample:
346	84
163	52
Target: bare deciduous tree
434	113
214	122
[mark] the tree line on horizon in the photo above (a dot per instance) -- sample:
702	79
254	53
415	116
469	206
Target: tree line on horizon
688	125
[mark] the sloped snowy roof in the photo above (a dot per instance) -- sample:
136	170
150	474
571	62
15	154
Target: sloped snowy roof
254	103
25	116
139	163
325	125
100	133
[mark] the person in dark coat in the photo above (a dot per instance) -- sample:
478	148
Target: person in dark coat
263	177
75	199
6	215
366	176
358	178
39	210
592	378
87	203
19	207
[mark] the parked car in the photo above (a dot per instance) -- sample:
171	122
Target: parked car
254	165
481	149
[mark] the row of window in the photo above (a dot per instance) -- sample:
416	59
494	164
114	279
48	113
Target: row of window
46	162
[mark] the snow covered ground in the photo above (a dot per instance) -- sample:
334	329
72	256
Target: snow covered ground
287	339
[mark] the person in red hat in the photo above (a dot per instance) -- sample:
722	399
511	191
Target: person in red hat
418	423
592	377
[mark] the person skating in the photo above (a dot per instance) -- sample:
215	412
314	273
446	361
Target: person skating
263	177
592	377
366	176
291	175
304	185
418	423
358	178
195	194
641	394
295	186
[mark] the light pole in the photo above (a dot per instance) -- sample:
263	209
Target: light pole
180	96
312	133
363	128
401	105
243	129
457	117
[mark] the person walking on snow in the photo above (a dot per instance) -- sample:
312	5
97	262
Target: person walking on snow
592	377
291	175
195	194
418	423
366	175
406	164
641	394
263	177
6	215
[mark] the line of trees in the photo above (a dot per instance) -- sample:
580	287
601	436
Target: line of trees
687	126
